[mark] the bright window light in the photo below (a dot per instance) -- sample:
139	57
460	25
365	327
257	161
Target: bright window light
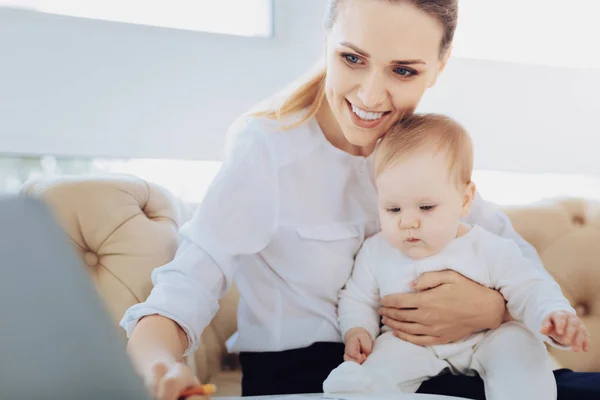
234	17
189	180
518	189
542	32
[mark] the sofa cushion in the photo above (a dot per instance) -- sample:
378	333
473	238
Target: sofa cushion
124	227
121	226
566	233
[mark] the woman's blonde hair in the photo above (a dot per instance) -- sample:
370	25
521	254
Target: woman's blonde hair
427	132
307	93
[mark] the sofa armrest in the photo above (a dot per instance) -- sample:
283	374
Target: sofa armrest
566	234
123	227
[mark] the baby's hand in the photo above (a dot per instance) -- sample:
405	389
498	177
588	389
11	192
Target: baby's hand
567	329
359	345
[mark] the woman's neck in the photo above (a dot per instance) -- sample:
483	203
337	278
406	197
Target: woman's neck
333	132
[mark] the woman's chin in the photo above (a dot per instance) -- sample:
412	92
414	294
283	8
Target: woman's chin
361	138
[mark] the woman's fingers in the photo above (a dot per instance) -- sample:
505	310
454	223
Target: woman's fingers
154	376
400	315
405	300
176	380
418	340
412	328
430	280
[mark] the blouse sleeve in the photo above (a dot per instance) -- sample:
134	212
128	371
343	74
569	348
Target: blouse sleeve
237	217
493	220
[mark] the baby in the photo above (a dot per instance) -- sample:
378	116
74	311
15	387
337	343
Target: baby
423	172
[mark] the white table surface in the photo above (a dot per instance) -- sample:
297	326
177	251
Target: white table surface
395	396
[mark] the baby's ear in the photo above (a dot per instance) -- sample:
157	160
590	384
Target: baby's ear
469	197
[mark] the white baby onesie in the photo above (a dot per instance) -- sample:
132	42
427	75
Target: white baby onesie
512	359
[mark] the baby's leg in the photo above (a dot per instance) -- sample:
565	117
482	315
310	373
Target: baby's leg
394	365
514	365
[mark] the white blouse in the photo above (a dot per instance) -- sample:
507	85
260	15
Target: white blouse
284	217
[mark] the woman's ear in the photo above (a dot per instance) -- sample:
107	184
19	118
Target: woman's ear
469	196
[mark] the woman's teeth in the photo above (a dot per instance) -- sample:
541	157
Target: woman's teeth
367	116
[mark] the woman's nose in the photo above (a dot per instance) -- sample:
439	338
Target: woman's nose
372	92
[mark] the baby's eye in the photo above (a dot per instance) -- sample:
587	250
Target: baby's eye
427	208
394	210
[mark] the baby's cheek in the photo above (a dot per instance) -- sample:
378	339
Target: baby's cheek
440	237
395	238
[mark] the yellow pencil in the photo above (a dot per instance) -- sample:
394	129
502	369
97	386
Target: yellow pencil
202	390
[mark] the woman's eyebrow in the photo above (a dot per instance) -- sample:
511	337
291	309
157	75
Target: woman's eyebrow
408	62
365	54
356	49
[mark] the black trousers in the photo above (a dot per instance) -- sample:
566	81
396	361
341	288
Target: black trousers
304	370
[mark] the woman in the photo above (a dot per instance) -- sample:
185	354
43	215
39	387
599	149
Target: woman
290	208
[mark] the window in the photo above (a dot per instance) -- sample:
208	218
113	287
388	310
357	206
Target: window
189	180
517	189
236	17
543	32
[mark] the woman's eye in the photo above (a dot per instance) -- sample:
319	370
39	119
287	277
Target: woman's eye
406	73
427	208
394	210
351	58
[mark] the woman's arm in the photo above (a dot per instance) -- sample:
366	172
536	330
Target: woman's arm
449	306
491	219
242	198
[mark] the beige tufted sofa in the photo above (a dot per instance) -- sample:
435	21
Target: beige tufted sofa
566	234
124	227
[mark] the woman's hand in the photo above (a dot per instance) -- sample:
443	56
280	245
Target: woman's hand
447	307
167	381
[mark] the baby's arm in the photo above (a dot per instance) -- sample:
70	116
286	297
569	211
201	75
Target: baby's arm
532	296
358	307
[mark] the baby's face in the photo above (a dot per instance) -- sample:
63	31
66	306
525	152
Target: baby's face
420	204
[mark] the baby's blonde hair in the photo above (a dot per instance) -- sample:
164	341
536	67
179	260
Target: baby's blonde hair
435	132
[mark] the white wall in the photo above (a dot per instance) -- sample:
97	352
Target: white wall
524	118
87	87
82	87
546	32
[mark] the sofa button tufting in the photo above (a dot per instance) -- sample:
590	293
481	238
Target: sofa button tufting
91	258
582	309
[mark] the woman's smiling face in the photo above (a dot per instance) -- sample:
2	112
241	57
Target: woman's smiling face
381	57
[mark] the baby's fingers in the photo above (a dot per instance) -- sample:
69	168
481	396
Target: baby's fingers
573	326
560	321
546	326
577	343
353	348
366	345
586	343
